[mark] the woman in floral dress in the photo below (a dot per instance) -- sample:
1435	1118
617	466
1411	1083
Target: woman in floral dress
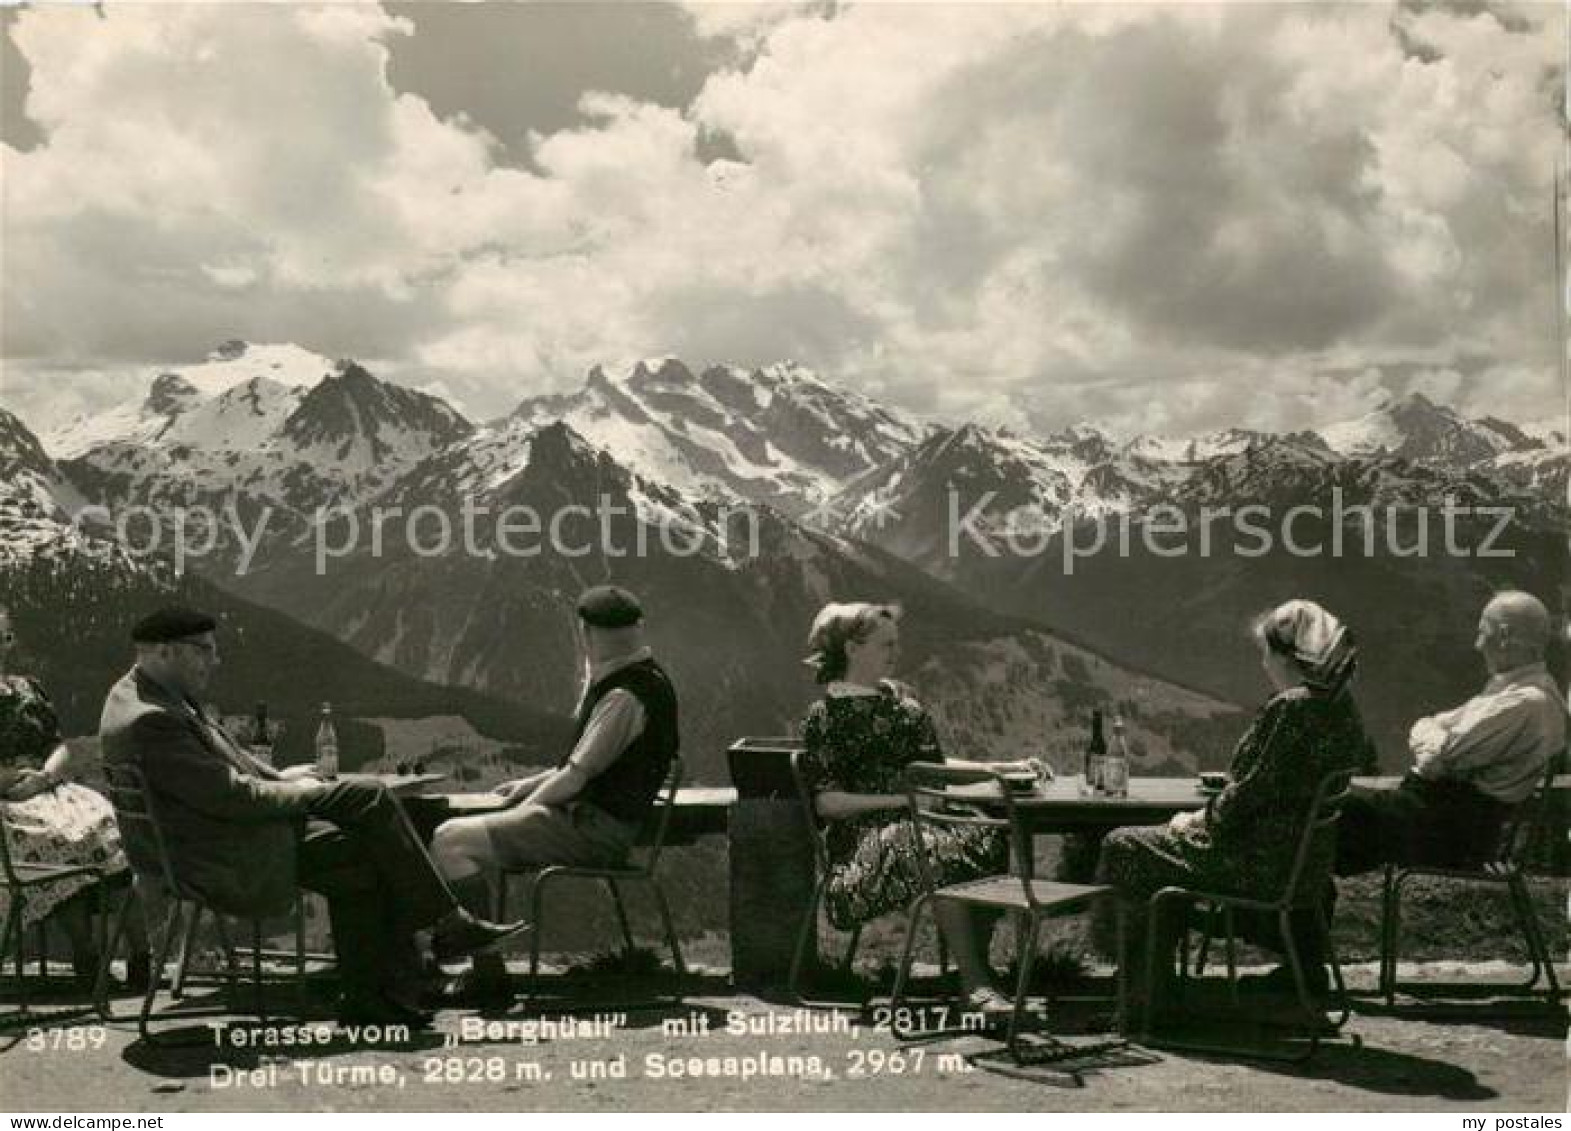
50	819
858	739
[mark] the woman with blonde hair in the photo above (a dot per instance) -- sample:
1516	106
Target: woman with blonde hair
858	739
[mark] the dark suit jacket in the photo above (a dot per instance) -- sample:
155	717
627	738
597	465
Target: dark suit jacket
229	823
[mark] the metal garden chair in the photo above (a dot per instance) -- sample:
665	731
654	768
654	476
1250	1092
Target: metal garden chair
1302	891
931	799
644	871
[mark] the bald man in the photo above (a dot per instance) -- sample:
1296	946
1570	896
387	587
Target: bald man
1471	765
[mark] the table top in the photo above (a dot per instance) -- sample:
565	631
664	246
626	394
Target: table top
400	785
688	797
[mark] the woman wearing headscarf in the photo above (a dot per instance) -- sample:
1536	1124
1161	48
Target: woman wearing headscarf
858	739
1244	841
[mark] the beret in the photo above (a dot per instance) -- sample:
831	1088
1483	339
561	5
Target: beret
609	606
171	623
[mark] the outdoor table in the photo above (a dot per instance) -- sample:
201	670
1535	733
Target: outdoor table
700	810
399	785
1062	808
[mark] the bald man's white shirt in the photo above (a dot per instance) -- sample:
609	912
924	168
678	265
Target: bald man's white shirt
1500	740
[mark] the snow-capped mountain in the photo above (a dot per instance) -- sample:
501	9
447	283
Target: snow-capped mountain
358	426
777	435
164	394
38	505
1005	486
1414	427
1208	445
271	425
729	588
25	468
509	462
1550	430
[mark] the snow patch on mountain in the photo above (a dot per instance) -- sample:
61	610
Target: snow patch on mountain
778	435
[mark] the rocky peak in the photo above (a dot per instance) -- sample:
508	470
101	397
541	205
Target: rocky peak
170	393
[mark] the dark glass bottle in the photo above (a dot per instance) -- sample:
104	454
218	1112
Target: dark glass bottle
1096	750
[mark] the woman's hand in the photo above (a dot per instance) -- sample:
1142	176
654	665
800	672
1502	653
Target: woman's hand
1183	822
519	789
30	783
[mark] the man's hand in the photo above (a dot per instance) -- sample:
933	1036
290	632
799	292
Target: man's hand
301	772
1427	738
1182	822
29	783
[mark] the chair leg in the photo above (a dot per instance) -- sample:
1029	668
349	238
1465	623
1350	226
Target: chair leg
42	955
1516	891
848	963
903	971
113	920
231	966
300	959
21	959
1390	922
670	928
187	944
1344	1007
13	927
1533	934
1232	954
1203	952
256	969
172	928
1026	960
804	935
1155	910
536	902
621	915
1125	1023
1295	962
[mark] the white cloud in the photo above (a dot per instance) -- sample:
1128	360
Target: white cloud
1173	218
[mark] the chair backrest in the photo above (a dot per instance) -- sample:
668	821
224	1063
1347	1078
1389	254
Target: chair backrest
1319	827
815	824
7	870
934	804
1516	832
665	805
138	820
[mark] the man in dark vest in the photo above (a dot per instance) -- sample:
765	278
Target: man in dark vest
588	810
242	835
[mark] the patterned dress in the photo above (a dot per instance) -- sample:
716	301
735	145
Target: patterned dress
69	824
1245	840
862	744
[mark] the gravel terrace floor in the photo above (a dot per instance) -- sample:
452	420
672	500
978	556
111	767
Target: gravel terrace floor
1475	1051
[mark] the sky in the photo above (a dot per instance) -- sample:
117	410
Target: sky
1163	218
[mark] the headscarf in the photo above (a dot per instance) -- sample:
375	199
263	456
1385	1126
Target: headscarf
1320	643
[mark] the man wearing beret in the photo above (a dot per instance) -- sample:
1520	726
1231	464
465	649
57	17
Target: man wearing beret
244	835
589	809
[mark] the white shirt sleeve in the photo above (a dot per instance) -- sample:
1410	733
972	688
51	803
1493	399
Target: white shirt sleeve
617	720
